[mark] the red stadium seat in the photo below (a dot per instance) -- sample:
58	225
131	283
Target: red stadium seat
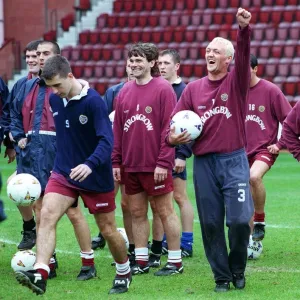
128	6
125	35
111	21
295	31
102	21
289	49
190	33
201	33
201	4
164	19
107	51
284	67
270	33
76	53
101	86
92	82
235	3
169	4
265	49
229	17
66	52
77	68
264	15
162	46
117	53
254	14
179	34
142	19
139	5
94	36
158	5
194	51
200	68
135	35
277	49
156	35
153	19
261	67
146	35
223	3
279	80
280	2
122	19
245	3
207	16
99	69
175	18
67	21
110	68
168	34
148	5
225	31
114	35
196	17
289	12
277	13
271	67
86	51
187	68
213	31
180	5
255	45
283	31
259	31
211	3
203	47
50	35
191	4
88	70
132	19
218	16
120	69
118	5
291	86
183	49
185	18
96	52
295	68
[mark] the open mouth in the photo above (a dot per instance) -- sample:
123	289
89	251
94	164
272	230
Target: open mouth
211	62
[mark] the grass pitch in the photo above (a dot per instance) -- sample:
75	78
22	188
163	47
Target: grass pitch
275	275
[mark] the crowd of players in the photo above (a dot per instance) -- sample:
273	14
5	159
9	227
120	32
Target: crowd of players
47	116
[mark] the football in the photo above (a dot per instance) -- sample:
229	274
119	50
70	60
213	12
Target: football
254	249
124	235
189	121
112	117
23	189
23	260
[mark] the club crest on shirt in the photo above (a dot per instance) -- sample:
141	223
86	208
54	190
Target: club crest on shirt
224	97
83	119
148	109
261	108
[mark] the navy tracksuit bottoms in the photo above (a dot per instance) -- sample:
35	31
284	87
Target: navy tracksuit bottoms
222	190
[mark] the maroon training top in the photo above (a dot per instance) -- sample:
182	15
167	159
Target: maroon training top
221	104
291	131
141	121
267	106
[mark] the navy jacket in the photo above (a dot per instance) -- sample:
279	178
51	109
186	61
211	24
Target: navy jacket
110	95
4	114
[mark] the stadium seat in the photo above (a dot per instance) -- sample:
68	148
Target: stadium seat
153	19
288	13
283	31
258	32
76	53
136	34
201	33
234	3
117	53
125	35
194	51
280	2
277	48
265	49
110	68
101	20
179	34
200	68
270	33
291	85
261	67
295	31
158	5
255	45
92	83
148	5
156	35
128	6
88	70
229	17
295	68
276	15
111	21
203	47
167	34
223	3
139	5
175	18
99	69
284	67
101	86
224	31
245	3
271	67
196	17
67	21
187	68
77	68
182	48
190	33
211	3
66	52
84	37
264	14
191	4
94	36
120	69
133	20
114	36
185	18
142	19
146	35
218	16
107	50
170	4
96	52
289	49
180	5
279	80
164	19
122	19
50	35
213	31
86	51
207	16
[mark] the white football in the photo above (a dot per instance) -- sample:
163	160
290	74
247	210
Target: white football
24	189
254	249
112	117
23	260
124	235
189	121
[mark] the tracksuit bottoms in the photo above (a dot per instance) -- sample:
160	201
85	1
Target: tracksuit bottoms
221	182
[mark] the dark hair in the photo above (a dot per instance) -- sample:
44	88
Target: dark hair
147	50
55	47
56	65
253	61
32	46
173	53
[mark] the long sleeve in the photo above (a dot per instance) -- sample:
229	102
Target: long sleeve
291	131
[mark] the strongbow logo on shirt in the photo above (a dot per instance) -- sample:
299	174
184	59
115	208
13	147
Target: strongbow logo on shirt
138	117
261	108
148	109
257	119
83	119
224	97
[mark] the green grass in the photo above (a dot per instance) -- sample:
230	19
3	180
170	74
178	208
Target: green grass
274	276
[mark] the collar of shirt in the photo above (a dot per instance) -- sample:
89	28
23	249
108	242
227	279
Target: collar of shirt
177	81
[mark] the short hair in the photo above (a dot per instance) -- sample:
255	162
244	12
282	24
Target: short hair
32	46
172	52
55	46
253	61
147	50
56	65
229	49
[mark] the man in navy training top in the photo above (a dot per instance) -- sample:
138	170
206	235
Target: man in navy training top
29	225
80	115
99	241
143	109
221	169
36	137
266	108
168	64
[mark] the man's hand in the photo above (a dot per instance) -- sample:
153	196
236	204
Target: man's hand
117	174
178	139
179	165
273	149
22	143
11	154
80	173
243	17
160	174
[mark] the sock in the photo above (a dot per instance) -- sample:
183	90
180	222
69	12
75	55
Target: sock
259	218
131	248
164	241
52	263
87	258
29	225
123	269
187	240
156	247
43	269
141	256
174	257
